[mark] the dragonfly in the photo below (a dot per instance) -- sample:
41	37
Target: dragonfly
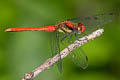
66	31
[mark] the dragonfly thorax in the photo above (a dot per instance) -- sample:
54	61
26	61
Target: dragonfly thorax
68	27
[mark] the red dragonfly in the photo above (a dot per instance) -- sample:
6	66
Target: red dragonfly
69	30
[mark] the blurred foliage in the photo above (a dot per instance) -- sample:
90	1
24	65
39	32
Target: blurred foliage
23	51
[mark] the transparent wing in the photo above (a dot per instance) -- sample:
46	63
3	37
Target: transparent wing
78	55
52	42
92	23
55	47
80	58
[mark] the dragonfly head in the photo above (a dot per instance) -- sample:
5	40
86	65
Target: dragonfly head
80	28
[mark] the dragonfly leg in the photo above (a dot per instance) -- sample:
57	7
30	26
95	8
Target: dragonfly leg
64	38
67	34
70	38
77	36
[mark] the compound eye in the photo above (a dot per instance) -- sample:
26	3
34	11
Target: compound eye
82	28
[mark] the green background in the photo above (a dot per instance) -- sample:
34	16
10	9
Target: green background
21	52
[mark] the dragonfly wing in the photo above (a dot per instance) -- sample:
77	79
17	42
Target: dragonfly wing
92	23
55	47
59	63
80	58
53	43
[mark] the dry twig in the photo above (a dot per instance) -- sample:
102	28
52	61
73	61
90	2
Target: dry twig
65	52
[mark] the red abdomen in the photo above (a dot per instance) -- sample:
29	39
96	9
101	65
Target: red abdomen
47	28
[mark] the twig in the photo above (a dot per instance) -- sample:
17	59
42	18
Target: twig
65	52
